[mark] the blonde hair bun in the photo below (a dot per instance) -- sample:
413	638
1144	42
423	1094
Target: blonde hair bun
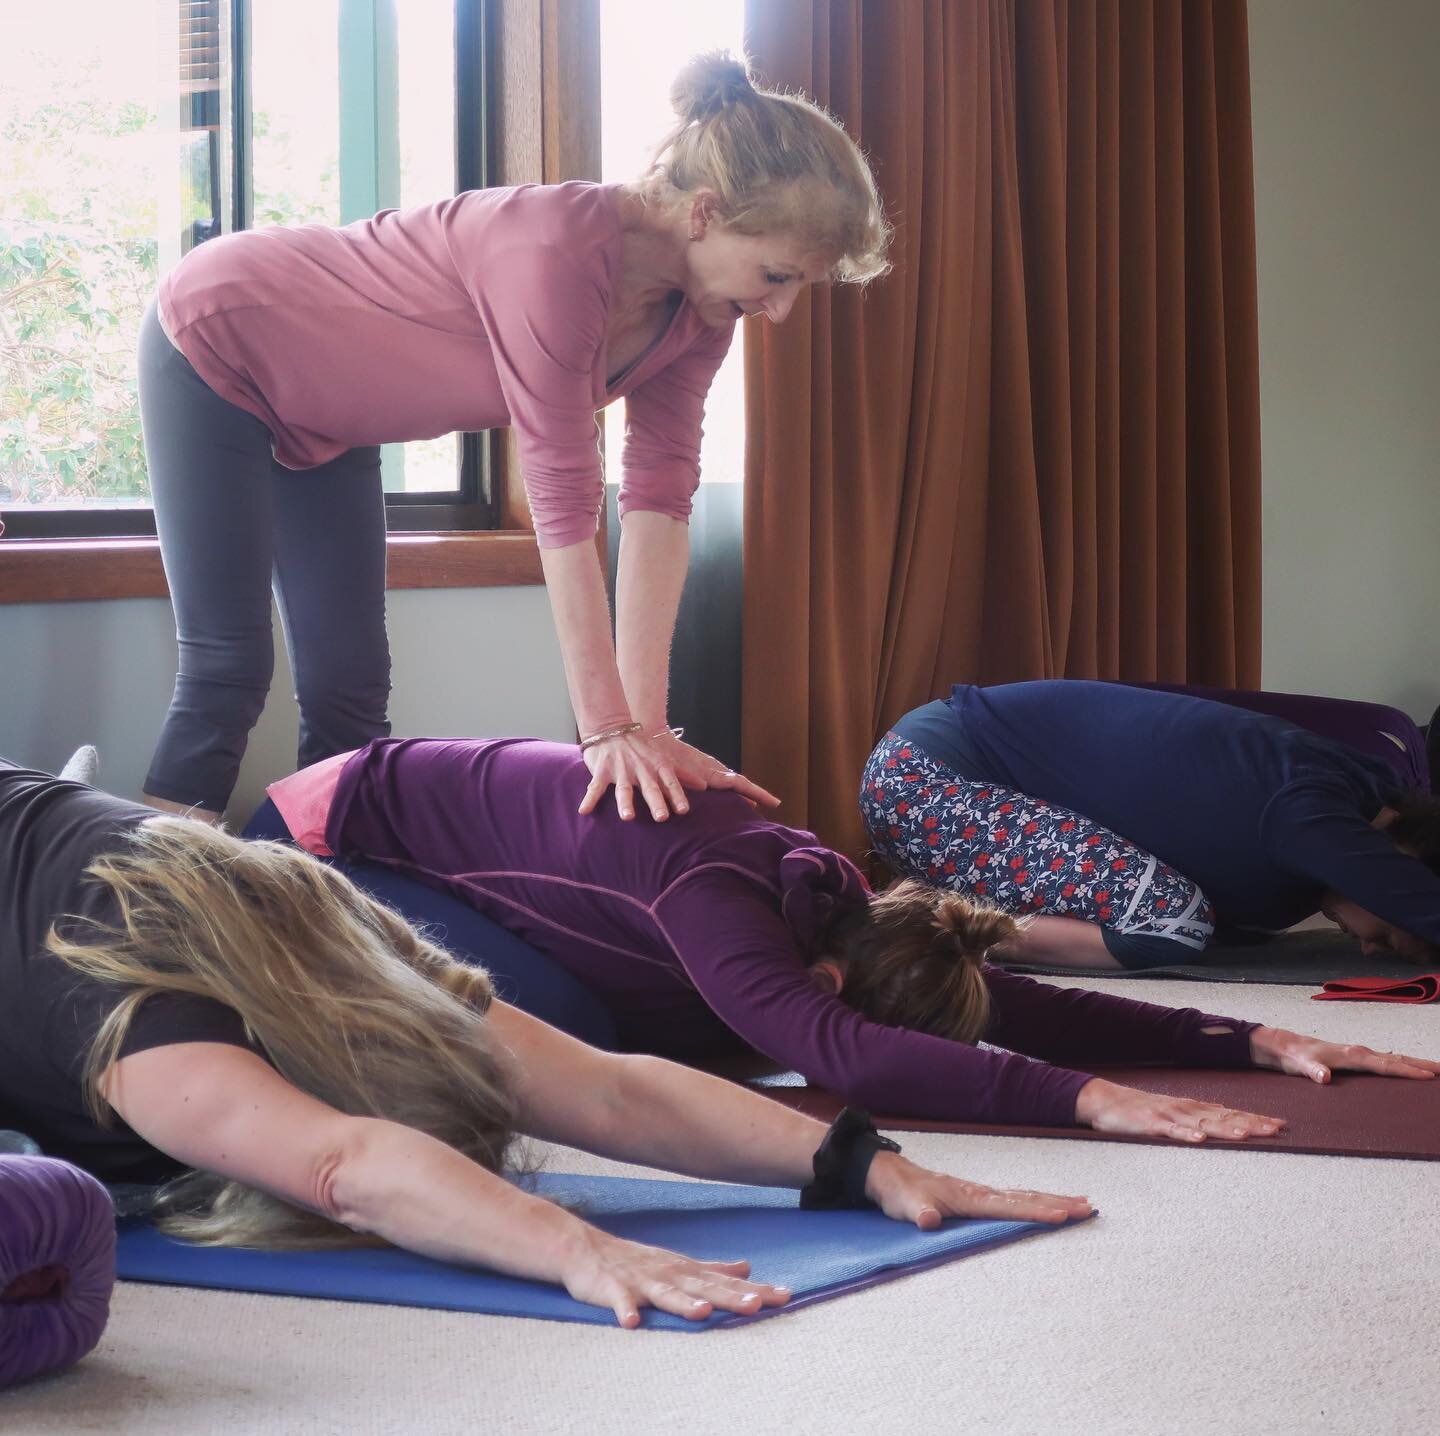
708	84
773	163
974	927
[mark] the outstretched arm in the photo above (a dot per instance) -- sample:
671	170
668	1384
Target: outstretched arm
658	1113
743	959
224	1109
1072	1024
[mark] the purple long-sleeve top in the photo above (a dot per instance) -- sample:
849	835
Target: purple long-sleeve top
699	930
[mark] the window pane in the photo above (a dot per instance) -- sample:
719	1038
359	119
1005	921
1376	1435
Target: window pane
353	105
426	69
426	105
295	111
116	160
93	209
643	48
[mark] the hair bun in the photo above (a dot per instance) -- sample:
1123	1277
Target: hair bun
708	84
975	927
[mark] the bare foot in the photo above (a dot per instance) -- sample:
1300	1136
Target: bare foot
164	805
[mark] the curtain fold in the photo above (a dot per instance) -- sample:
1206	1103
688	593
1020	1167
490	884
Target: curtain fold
1033	449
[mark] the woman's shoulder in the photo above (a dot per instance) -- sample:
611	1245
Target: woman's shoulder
40	812
575	216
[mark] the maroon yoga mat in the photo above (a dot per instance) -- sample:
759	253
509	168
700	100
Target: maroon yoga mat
1356	1115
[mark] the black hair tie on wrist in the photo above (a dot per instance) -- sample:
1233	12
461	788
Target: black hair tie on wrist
842	1163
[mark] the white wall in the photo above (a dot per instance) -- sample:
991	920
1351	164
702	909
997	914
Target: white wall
467	663
1347	196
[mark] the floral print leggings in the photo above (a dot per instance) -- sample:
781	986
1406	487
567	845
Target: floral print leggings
1025	856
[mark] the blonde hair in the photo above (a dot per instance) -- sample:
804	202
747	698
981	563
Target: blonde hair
913	958
347	1001
776	163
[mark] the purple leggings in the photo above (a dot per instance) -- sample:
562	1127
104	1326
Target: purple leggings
1025	856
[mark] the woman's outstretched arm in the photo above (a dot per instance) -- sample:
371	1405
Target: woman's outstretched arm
660	1114
224	1109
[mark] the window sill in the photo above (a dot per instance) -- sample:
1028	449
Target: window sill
60	570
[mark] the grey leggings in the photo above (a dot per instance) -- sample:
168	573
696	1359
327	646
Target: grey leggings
232	521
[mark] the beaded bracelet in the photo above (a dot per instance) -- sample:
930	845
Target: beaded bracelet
623	731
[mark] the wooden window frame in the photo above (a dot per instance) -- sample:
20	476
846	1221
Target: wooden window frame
544	73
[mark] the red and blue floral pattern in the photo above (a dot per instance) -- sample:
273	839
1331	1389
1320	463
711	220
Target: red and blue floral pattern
1020	854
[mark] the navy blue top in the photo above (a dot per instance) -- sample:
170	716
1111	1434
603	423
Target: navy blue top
1263	815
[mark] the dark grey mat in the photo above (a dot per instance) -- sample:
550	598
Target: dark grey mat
1303	959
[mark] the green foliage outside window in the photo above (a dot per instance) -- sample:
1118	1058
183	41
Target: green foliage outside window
78	260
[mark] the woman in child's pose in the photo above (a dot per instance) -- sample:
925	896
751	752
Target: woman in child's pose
729	929
173	998
1126	822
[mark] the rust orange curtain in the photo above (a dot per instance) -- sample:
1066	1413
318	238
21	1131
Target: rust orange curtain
1033	449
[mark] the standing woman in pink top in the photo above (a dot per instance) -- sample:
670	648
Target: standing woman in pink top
276	361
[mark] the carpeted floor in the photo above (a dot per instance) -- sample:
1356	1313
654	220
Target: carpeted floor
1252	1292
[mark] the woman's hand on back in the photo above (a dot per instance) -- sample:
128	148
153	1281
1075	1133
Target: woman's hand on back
1312	1057
661	769
1109	1107
906	1192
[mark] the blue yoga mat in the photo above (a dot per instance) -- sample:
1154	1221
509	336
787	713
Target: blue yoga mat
816	1254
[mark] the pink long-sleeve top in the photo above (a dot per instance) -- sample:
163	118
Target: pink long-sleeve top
478	312
698	931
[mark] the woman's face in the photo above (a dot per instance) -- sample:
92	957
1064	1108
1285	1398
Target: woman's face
730	275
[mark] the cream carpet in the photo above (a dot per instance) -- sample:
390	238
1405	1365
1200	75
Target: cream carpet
1217	1291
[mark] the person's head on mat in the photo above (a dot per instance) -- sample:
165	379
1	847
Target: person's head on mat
346	1000
913	957
1412	822
782	195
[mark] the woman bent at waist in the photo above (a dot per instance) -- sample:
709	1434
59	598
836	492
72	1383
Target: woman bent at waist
331	1077
729	929
276	362
1125	823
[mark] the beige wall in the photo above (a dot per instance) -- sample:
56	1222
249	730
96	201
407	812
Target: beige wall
467	663
1347	196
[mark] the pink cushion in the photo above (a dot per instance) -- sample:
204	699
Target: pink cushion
304	801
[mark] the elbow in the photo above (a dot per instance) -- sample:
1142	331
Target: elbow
647	1095
341	1183
565	530
663	489
674	507
565	507
639	1080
